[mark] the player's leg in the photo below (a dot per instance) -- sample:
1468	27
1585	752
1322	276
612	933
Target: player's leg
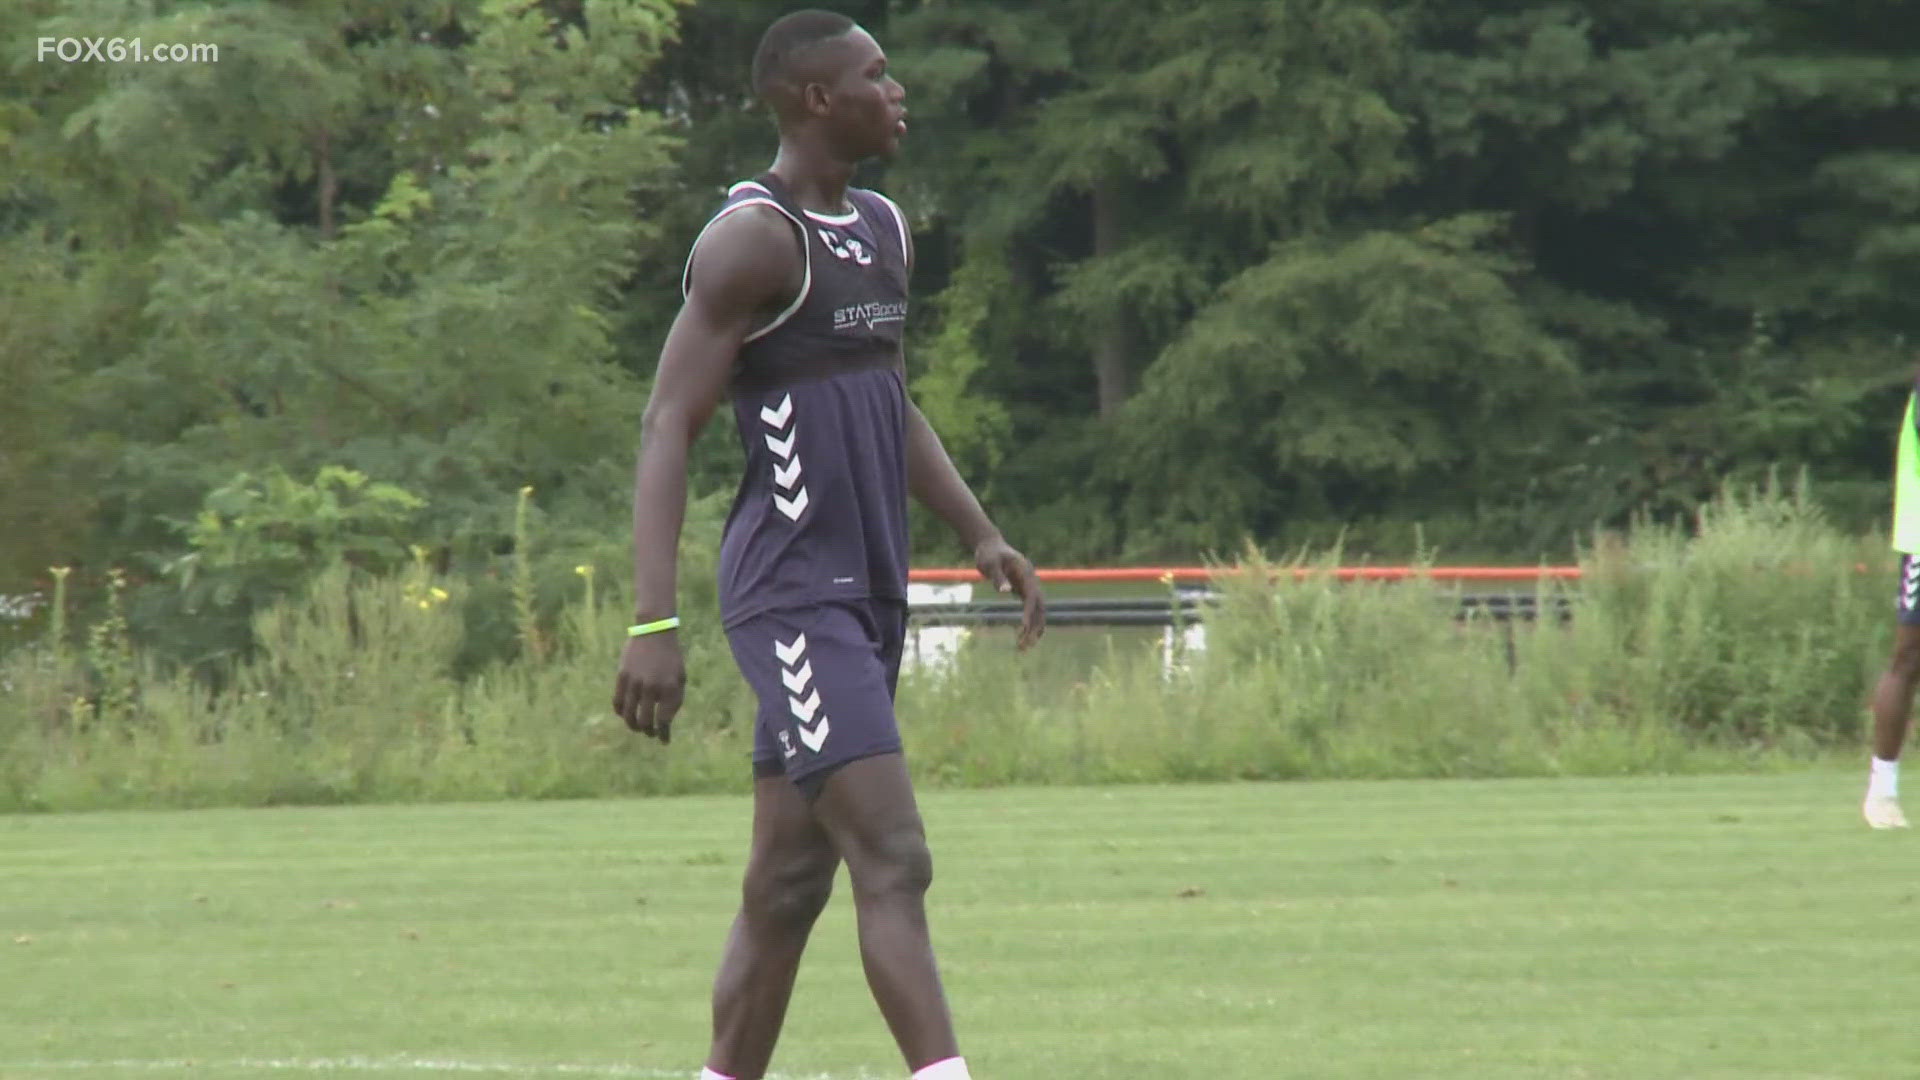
1893	704
790	869
868	807
1893	695
845	754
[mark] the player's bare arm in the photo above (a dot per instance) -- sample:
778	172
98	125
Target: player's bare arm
733	284
934	480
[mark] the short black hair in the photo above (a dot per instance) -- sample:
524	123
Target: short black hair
789	36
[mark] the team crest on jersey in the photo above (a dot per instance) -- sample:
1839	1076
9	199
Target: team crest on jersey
848	248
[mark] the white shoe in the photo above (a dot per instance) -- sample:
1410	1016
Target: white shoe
1883	812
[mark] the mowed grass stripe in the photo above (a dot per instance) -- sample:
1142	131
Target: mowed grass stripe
1693	927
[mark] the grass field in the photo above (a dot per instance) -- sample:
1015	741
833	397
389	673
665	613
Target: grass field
1704	927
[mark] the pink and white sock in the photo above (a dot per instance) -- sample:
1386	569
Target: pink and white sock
952	1068
709	1074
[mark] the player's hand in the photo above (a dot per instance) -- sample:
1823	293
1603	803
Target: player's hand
652	684
1011	572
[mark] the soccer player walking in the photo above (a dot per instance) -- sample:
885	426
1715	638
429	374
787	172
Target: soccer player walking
1893	696
795	299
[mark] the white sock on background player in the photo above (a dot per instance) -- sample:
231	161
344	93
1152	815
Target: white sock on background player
952	1068
1883	781
709	1074
1882	808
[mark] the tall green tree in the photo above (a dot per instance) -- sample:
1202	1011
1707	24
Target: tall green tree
386	237
1150	176
1710	194
1188	272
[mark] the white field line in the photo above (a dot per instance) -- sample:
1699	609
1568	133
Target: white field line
10	1069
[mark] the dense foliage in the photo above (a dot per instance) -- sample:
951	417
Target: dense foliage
1482	273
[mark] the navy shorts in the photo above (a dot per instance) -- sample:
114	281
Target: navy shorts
825	676
1907	603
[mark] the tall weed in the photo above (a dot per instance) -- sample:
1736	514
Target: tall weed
1743	640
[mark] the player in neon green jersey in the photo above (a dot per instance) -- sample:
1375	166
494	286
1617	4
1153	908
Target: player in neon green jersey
1893	696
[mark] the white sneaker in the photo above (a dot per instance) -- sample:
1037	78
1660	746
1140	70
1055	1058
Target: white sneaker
1883	812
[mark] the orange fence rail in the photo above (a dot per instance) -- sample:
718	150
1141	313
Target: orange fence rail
1113	575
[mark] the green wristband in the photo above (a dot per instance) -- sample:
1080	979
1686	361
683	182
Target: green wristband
654	627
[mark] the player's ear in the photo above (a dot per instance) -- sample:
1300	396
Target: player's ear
815	100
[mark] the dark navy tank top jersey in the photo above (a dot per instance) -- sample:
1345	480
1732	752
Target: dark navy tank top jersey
819	403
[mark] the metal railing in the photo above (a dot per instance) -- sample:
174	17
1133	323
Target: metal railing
1189	597
1194	607
1188	574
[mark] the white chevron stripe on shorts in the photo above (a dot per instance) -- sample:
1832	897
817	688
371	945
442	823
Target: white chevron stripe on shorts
796	671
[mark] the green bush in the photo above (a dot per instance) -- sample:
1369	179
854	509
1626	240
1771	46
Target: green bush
1744	641
1760	624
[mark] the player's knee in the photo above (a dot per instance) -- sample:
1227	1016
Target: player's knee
789	894
1905	660
897	863
1906	657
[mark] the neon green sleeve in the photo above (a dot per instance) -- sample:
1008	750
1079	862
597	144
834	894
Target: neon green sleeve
1906	488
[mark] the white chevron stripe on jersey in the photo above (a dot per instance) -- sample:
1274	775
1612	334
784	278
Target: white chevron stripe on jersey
786	470
786	475
793	507
776	418
788	466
